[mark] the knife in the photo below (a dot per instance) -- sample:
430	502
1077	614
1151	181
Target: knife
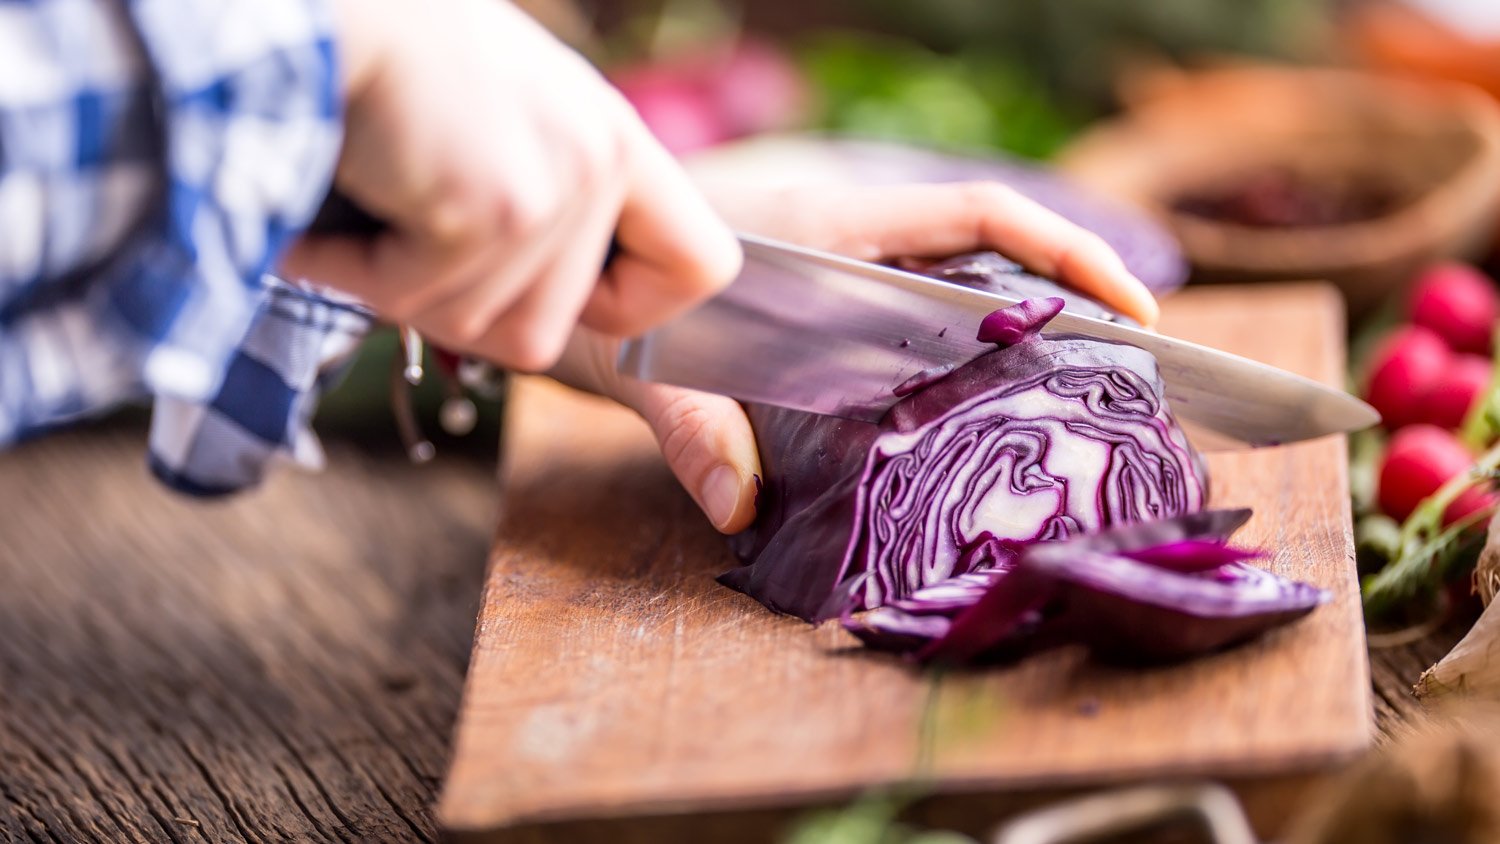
822	333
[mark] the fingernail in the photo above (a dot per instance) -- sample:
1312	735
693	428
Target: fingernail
720	494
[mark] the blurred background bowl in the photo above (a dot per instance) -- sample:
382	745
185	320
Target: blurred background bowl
1389	173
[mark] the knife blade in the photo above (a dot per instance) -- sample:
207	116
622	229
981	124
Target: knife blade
827	334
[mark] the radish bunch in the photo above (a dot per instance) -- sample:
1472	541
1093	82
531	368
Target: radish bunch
1424	378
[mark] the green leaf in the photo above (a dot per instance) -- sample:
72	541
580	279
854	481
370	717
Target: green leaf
883	87
1366	450
1418	571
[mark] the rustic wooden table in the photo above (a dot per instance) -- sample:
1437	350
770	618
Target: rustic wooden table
280	666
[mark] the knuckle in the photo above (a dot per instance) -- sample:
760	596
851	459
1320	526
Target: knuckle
398	308
474	212
523	211
714	267
525	358
454	219
468	328
1095	245
681	424
595	160
983	195
1086	247
534	351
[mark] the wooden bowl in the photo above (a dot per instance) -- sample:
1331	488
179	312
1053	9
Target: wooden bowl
1433	147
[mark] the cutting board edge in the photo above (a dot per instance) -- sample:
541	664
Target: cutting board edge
1224	769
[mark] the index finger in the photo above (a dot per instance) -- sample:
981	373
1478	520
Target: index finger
945	219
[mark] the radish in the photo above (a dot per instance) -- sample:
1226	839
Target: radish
1419	460
1472	500
715	92
674	106
1459	303
756	88
1460	384
1407	364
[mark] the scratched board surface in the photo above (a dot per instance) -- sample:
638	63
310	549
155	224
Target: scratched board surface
612	678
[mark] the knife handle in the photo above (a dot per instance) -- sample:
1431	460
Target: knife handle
341	216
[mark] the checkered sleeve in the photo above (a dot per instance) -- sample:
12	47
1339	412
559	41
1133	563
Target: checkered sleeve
262	411
155	157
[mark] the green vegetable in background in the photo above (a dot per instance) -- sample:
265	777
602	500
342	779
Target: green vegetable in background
870	820
1073	48
893	89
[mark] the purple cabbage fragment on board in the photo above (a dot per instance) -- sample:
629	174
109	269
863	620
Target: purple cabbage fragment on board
911	622
1158	591
1042	439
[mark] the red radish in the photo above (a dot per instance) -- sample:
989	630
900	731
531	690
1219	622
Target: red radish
1459	303
1419	459
1472	500
757	88
1457	388
673	106
1403	369
446	360
714	92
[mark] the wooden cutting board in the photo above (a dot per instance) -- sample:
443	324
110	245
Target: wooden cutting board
618	693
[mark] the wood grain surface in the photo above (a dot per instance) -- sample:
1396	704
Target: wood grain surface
612	677
282	666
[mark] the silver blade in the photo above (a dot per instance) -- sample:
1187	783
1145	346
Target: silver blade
826	334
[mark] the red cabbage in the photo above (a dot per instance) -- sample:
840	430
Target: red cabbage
1042	439
1106	590
1040	494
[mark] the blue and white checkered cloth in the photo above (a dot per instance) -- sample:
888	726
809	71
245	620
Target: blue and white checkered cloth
155	157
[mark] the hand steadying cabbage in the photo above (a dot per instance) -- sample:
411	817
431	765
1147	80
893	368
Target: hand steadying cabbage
946	518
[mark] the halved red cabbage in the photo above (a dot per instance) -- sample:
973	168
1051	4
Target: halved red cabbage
1042	439
1108	590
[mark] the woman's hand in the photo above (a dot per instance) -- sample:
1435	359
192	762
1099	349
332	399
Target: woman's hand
707	439
504	163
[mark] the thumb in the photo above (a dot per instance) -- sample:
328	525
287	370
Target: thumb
708	443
